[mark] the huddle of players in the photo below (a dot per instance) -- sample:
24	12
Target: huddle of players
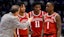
44	24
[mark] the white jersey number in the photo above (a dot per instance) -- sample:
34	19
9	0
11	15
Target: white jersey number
37	24
47	25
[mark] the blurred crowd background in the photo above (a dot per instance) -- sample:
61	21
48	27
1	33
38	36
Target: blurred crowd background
59	7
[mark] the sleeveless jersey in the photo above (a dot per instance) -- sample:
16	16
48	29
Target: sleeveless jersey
50	23
37	22
23	19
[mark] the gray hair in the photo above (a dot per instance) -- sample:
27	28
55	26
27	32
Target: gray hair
14	8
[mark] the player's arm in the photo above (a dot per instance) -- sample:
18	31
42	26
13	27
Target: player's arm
43	27
15	35
43	24
58	22
30	32
17	23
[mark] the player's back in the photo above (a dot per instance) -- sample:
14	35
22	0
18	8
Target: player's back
50	23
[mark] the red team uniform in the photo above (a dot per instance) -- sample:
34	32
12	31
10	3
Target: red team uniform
50	27
36	24
23	32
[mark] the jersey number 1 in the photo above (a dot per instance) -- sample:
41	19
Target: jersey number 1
47	25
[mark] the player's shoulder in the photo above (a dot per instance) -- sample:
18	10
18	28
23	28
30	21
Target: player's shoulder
5	16
30	12
57	14
26	14
43	12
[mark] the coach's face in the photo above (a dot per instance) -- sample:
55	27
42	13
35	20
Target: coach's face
37	7
49	7
22	8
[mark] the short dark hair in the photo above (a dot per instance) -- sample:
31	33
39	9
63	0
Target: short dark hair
14	8
20	3
51	3
36	3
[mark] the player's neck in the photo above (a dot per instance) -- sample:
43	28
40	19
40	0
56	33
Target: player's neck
21	14
36	12
51	12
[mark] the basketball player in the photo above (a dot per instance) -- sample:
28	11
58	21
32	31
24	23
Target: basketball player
52	22
23	18
37	22
10	21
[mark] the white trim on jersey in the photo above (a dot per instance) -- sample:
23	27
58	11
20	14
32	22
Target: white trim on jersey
43	13
32	13
35	14
51	14
53	17
22	16
18	35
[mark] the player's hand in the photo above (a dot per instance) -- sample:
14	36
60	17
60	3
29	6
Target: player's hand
15	35
30	19
30	32
27	16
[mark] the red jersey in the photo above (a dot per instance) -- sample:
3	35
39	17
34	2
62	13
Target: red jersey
37	22
50	23
23	19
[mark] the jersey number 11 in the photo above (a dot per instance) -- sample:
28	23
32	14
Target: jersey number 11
37	24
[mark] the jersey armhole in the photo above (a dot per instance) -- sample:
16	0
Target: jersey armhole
55	16
30	14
